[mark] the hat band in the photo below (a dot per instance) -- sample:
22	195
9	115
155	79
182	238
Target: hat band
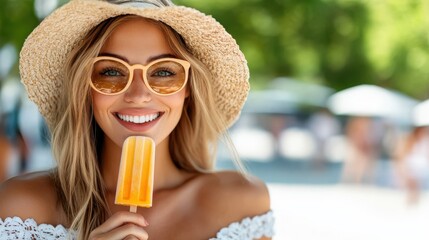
136	4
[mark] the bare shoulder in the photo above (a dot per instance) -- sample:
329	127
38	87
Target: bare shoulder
231	197
29	196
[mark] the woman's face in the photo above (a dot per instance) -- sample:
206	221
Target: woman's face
137	111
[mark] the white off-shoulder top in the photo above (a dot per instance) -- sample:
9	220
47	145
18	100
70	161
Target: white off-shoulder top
247	229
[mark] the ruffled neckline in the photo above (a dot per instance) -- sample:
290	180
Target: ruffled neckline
247	229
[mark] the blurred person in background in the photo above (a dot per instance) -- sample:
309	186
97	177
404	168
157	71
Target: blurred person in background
14	149
5	153
323	125
35	134
363	136
412	163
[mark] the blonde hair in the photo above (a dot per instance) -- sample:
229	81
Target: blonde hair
76	137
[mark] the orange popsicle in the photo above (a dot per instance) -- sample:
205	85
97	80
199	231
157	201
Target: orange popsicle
135	179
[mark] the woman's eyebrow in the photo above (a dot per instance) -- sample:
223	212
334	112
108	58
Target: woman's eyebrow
150	59
107	54
165	55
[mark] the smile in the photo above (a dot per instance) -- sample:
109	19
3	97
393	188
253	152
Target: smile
138	119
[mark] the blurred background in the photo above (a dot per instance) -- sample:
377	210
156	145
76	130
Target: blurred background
336	122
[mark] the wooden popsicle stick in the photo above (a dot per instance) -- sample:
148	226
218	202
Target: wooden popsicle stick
133	209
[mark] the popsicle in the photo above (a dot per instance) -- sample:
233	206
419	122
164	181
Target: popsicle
135	178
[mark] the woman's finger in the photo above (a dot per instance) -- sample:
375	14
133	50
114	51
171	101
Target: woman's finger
119	219
131	238
126	231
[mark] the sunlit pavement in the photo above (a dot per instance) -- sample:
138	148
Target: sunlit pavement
347	212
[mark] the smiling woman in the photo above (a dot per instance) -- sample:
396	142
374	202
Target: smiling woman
138	91
101	71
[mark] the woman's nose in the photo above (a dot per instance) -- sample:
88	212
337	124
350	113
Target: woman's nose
138	91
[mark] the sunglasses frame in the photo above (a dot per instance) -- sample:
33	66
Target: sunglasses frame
185	64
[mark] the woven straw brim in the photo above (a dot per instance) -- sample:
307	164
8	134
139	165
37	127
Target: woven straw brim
44	53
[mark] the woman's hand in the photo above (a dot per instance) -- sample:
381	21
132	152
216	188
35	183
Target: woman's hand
122	226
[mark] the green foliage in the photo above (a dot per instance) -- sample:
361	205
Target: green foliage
17	20
398	45
338	43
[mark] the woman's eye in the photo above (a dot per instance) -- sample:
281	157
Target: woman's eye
163	73
111	73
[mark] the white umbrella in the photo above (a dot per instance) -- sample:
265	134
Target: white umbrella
271	101
421	114
305	93
372	101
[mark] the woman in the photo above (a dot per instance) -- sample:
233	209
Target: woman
102	71
412	163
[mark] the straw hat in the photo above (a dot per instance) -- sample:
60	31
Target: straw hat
45	50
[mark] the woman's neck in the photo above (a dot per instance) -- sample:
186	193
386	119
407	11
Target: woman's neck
166	174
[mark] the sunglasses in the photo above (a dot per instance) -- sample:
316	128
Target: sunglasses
165	76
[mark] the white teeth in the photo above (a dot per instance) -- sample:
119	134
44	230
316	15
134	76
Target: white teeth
138	119
135	119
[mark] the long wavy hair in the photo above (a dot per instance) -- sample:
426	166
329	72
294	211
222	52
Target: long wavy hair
77	139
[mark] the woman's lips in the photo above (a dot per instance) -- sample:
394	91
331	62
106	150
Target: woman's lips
138	118
138	122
